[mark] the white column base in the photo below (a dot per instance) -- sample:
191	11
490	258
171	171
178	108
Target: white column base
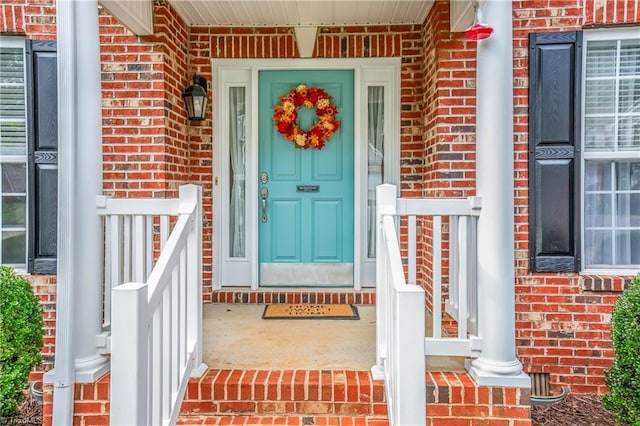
199	371
88	370
508	374
377	372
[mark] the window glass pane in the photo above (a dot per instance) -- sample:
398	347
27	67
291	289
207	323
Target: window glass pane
375	159
11	101
628	175
237	168
14	211
597	210
629	96
598	247
13	134
601	58
629	133
600	133
627	247
12	65
611	213
14	178
597	176
599	99
628	210
630	57
14	247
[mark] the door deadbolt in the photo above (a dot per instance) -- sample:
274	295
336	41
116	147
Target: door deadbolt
264	178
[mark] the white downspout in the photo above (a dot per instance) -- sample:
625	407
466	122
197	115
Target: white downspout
498	364
79	287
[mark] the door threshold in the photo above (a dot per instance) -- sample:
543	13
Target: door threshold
317	295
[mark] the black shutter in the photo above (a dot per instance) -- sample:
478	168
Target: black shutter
42	122
555	81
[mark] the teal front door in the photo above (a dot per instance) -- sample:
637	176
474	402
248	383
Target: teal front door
306	195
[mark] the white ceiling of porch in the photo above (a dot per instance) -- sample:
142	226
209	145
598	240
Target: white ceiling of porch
270	13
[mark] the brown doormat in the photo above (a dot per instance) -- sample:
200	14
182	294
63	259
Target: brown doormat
307	311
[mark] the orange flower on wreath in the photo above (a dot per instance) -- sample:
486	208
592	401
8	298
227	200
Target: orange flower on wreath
285	117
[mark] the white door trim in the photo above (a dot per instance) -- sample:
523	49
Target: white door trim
244	73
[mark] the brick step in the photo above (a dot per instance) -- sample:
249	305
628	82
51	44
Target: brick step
283	420
454	399
303	393
310	295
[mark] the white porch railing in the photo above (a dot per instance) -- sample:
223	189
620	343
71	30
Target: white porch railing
401	342
156	315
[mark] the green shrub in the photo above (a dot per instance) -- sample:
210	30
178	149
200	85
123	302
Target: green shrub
623	379
20	338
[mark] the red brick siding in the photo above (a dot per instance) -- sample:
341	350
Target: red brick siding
144	121
33	19
562	320
449	131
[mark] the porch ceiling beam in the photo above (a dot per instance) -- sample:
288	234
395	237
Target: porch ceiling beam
137	15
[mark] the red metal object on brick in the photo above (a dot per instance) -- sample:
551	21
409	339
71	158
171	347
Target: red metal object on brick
478	32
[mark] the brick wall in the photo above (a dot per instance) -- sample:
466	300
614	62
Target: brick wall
33	19
145	147
449	131
562	320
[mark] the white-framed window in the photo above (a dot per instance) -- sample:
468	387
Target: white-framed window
611	150
13	154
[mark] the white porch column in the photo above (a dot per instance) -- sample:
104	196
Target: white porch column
79	288
498	364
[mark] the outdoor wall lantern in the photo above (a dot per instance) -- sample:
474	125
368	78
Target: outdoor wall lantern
195	98
478	31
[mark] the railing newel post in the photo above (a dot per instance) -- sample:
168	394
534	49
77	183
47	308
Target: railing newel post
385	204
129	355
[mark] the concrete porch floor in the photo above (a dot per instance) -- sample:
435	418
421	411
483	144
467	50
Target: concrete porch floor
236	336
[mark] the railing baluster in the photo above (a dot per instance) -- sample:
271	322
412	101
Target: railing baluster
127	273
461	248
164	230
175	328
167	357
453	267
182	281
157	347
436	300
411	249
139	241
472	298
148	245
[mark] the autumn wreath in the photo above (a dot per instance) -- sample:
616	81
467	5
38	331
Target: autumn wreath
285	117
